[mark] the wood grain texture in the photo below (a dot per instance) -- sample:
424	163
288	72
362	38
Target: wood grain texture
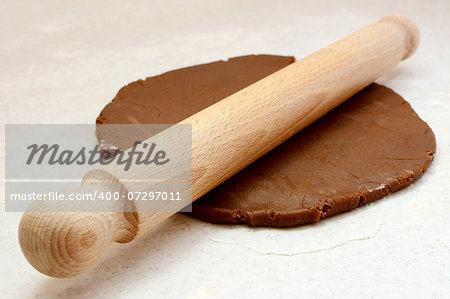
226	137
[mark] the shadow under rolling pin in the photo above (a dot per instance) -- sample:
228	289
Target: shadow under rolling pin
226	137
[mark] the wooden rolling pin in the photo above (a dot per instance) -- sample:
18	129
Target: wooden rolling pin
226	137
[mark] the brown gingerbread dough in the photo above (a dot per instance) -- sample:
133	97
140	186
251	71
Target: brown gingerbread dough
368	147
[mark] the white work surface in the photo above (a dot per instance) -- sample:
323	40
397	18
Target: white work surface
62	61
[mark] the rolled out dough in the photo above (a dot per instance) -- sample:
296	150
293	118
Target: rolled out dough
368	147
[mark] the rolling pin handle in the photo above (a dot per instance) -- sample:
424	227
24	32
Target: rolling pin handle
408	29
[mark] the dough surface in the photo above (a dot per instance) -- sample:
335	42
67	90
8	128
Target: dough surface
368	147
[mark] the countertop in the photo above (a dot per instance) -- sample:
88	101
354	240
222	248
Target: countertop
61	62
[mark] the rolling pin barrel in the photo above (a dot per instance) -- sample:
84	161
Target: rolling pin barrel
243	127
